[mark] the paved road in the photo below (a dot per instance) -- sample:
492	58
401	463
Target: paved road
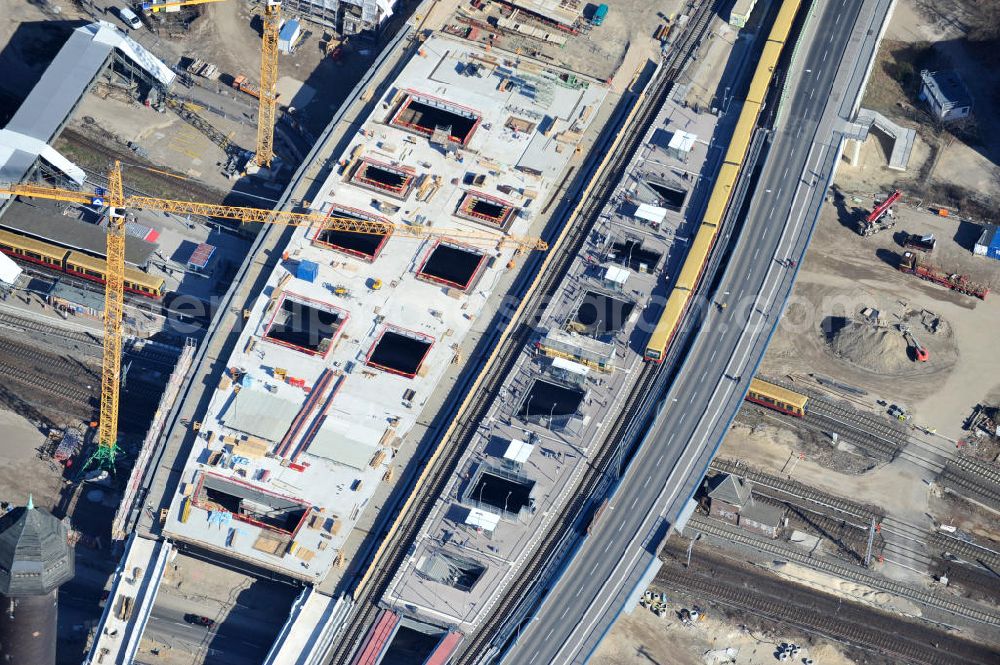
704	397
224	643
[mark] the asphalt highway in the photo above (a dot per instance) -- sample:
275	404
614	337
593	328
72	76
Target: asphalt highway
724	352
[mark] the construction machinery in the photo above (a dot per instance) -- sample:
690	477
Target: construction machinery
243	84
175	5
881	217
113	198
920	352
925	243
911	264
268	96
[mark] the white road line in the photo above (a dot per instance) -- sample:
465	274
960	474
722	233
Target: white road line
825	53
756	253
533	658
635	500
837	20
820	72
812	92
714	353
783	176
592	571
648	478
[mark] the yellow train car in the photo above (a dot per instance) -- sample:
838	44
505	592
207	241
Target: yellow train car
777	398
701	246
765	72
739	144
136	281
721	194
783	22
656	348
29	249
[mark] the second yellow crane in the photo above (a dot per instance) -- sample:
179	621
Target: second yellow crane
267	107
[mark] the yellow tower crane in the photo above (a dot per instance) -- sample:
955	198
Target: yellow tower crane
268	83
116	201
154	6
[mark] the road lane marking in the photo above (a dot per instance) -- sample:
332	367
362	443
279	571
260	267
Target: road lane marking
648	478
825	53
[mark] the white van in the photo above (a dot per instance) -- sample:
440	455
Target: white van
129	18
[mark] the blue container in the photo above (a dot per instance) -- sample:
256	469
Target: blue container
599	15
307	270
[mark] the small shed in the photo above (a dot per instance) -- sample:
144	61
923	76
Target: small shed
945	94
680	144
615	277
290	33
988	243
201	257
650	213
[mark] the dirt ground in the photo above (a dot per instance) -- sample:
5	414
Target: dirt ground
955	165
642	638
21	470
861	273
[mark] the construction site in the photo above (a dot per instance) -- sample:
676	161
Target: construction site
884	494
256	255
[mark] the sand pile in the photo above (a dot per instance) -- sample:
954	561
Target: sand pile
880	350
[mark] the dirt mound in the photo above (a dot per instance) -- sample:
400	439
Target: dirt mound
880	350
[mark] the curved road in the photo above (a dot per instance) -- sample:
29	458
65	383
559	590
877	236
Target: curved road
828	72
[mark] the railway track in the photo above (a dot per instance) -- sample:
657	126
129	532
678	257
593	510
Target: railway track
28	325
826	616
866	431
958	608
526	588
505	358
794	490
969	483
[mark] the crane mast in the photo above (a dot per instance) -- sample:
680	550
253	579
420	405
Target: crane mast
268	83
114	304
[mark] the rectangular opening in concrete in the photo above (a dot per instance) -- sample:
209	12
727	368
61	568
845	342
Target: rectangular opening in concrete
506	494
671	196
547	400
250	504
411	645
399	351
306	325
490	210
396	181
600	314
365	246
425	115
451	569
452	265
631	254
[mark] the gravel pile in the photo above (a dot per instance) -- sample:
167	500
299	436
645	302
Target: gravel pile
881	350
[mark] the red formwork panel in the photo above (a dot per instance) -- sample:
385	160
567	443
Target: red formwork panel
423	98
347	211
445	282
404	333
324	306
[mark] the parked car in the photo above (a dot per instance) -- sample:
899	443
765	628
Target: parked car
199	620
128	17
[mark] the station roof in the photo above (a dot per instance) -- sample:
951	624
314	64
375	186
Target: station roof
51	102
42	220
